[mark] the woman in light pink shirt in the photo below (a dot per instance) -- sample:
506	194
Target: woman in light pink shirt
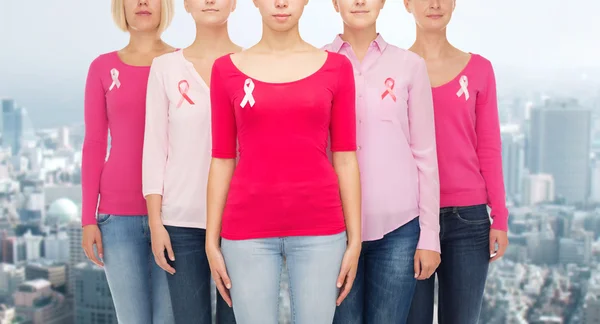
177	155
114	211
398	165
470	167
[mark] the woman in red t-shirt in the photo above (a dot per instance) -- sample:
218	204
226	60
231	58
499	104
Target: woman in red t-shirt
280	101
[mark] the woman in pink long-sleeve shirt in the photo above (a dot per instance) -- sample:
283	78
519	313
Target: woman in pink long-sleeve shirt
470	167
399	169
114	210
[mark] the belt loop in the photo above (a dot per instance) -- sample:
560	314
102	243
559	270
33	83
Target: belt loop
454	210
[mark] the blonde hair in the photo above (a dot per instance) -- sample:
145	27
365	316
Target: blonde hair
167	10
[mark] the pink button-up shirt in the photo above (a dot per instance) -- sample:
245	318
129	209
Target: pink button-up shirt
396	141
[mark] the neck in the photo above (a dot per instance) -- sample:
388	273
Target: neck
285	41
144	42
431	45
211	39
360	39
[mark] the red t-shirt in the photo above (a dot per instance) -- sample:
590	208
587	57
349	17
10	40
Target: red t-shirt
284	183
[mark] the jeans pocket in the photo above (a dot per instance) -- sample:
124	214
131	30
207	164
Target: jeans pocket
473	215
102	219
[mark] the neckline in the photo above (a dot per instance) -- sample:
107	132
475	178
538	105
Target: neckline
458	75
116	54
322	67
193	70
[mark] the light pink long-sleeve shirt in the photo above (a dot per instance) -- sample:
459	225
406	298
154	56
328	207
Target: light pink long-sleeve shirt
115	98
396	138
468	138
177	142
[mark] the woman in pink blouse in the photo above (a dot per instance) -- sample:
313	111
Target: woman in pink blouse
177	148
470	167
114	210
398	165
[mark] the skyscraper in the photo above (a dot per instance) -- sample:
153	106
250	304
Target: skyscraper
513	160
76	254
11	126
559	145
16	126
93	301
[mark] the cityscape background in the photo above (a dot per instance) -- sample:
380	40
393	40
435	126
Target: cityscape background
548	77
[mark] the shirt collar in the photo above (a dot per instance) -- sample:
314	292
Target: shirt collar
338	43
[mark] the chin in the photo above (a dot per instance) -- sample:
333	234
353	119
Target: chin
212	22
281	27
434	26
361	25
145	27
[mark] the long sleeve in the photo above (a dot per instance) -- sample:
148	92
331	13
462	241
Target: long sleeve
224	129
423	146
489	150
94	144
156	136
343	111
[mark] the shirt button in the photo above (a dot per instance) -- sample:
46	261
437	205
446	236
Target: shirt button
358	148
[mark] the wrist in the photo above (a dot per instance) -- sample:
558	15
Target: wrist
155	224
354	244
213	242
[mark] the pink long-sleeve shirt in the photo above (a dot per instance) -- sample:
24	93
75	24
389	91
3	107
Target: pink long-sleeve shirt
396	141
468	141
115	99
177	144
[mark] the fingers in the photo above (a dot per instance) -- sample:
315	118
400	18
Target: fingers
99	246
223	285
417	267
501	250
426	272
492	245
170	251
161	260
88	249
343	273
347	287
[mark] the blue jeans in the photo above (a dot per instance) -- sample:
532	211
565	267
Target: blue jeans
138	286
313	263
385	281
464	238
190	286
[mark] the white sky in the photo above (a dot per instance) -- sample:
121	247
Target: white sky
46	46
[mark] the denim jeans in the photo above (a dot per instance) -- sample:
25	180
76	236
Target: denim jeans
190	286
138	286
255	265
385	281
464	238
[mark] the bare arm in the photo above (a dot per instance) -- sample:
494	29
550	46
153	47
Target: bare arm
346	168
219	177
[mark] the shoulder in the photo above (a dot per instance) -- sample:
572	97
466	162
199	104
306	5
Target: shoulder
338	61
105	60
327	47
409	58
167	58
166	62
224	62
481	63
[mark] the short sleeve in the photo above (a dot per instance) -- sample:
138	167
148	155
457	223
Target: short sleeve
224	130
343	111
